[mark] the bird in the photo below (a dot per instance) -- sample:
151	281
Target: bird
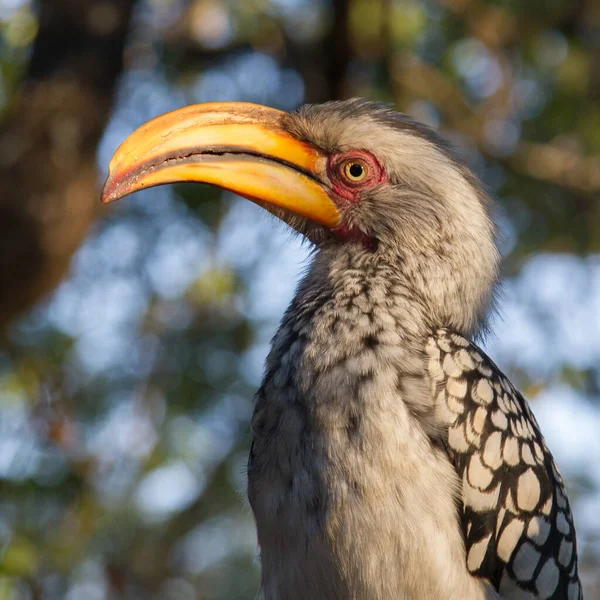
391	459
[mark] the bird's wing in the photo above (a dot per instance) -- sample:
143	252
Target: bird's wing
516	517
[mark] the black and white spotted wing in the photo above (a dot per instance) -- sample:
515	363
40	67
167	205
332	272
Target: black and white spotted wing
517	521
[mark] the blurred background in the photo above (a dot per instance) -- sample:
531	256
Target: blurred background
133	335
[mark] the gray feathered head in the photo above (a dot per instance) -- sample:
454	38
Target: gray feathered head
352	177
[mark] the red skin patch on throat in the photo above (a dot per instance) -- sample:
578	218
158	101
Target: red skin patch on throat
348	234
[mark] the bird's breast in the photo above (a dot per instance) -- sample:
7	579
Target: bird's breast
342	467
340	472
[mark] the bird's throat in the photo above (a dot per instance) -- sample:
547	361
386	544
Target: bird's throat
356	236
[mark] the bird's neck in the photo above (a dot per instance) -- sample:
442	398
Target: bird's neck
355	290
355	314
351	345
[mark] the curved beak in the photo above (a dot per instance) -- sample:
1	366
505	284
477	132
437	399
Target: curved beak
240	147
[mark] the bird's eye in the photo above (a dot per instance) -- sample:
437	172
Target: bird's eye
355	170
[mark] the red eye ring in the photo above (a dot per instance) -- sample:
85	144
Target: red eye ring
352	172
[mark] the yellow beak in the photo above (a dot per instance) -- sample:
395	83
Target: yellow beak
239	147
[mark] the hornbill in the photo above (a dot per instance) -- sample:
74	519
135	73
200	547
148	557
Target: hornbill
390	458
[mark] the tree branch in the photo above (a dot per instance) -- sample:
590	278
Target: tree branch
48	178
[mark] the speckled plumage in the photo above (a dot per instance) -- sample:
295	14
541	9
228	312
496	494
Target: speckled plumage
390	458
516	516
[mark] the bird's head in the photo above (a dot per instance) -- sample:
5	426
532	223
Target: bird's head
351	176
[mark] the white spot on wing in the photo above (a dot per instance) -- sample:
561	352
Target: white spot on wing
444	343
477	553
457	438
479	420
538	452
504	403
529	427
573	570
527	455
450	366
509	589
574	591
565	553
523	422
506	385
480	501
484	370
538	530
499	420
547	506
528	490
457	387
519	427
511	451
509	539
479	475
472	436
455	405
445	414
525	561
459	340
465	360
483	392
492	452
562	524
547	580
